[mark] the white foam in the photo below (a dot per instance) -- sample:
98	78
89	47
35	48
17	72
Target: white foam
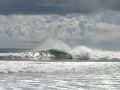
80	52
83	52
34	66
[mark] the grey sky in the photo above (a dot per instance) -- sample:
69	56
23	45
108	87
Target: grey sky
56	6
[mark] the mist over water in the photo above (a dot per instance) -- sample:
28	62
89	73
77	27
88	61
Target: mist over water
80	52
53	44
60	49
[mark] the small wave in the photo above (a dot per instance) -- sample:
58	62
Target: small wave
48	67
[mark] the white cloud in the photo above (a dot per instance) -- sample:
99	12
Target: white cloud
106	26
74	26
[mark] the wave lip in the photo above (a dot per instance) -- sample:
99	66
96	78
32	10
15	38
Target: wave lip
58	54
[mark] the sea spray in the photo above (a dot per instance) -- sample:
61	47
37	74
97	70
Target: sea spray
54	44
81	52
59	50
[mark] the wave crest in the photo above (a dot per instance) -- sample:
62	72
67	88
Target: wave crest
80	53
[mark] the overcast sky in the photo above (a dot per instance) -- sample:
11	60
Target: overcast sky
57	6
27	23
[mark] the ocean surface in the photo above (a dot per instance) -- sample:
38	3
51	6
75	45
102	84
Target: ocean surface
84	69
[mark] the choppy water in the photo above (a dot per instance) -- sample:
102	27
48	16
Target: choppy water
60	81
24	75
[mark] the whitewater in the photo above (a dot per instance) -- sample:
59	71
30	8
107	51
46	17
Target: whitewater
36	75
79	53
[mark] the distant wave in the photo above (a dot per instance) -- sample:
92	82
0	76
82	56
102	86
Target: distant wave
79	53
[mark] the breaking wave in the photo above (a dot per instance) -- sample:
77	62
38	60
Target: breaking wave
83	52
46	60
78	53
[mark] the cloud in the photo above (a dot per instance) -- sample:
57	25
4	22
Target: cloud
33	28
36	27
106	26
56	6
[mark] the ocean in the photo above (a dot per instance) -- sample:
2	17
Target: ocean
85	69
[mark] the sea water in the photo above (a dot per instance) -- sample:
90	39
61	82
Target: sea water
35	75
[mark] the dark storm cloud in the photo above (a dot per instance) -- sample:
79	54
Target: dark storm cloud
56	6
